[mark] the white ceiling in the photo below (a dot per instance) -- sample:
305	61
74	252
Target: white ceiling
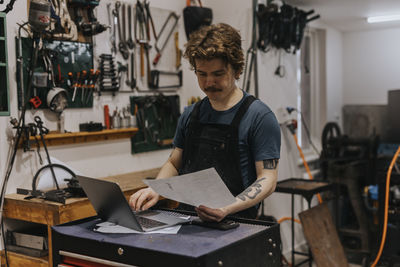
350	15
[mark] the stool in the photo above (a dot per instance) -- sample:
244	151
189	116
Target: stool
307	189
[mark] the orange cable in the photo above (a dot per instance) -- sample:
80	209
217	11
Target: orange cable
305	164
288	219
389	173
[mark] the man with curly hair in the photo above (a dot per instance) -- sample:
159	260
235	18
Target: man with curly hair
229	129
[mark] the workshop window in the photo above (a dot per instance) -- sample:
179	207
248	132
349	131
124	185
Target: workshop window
311	97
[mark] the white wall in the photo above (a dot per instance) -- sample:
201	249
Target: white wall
334	71
334	77
371	64
114	157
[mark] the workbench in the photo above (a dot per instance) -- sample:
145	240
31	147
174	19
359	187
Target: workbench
50	213
254	243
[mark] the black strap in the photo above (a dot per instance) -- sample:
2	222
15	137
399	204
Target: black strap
196	110
242	110
238	116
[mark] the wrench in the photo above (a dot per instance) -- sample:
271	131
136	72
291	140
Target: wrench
132	82
123	49
115	25
130	42
111	20
124	23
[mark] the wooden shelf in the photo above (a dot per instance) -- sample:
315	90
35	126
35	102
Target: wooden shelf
56	139
20	260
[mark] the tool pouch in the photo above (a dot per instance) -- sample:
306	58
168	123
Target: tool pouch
196	16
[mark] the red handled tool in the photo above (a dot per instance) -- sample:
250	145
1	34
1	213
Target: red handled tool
107	117
35	101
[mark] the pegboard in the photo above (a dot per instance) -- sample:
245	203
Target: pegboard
157	118
167	70
68	57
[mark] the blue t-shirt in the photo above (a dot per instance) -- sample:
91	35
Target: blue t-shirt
259	133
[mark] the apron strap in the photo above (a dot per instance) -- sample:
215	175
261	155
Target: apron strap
194	116
242	110
196	110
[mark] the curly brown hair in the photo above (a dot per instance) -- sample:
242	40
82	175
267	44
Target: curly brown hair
216	41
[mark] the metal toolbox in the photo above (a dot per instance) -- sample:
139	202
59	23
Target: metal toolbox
253	243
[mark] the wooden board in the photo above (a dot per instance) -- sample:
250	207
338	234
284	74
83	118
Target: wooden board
19	260
57	139
321	235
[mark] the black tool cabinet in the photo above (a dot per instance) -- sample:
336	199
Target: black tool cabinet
254	243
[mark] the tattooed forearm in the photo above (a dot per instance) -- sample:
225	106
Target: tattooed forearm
252	191
270	164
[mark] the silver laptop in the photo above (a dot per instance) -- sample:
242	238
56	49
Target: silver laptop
111	205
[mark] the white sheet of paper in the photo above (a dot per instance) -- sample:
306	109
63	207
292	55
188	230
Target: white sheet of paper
198	188
112	228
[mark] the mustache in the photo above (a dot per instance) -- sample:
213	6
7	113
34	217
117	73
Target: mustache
212	89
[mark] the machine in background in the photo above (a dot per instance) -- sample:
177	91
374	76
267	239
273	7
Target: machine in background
358	162
350	163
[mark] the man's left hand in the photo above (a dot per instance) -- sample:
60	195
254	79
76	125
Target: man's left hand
211	215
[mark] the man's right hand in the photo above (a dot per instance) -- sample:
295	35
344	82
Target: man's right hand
143	199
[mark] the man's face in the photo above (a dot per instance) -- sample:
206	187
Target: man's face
216	78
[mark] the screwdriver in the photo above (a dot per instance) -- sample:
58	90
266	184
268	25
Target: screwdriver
84	83
70	79
92	84
78	74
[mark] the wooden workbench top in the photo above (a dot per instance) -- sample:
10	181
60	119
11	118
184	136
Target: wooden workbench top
131	181
52	213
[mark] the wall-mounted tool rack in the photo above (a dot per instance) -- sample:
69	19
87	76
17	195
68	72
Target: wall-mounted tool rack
4	94
157	118
68	57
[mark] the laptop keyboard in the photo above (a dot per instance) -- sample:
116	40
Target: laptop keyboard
149	223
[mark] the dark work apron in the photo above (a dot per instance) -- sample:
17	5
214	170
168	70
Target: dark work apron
216	145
